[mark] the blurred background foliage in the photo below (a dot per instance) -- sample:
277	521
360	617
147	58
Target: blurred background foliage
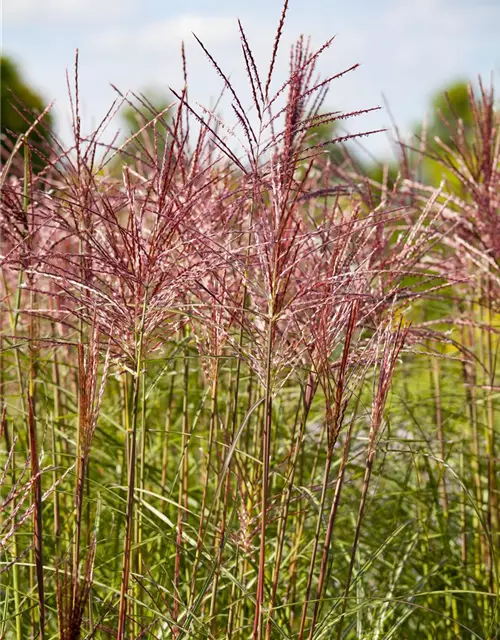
20	105
136	115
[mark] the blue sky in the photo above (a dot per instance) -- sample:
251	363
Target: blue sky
407	49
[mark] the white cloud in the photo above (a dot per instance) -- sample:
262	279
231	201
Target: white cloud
434	38
167	34
24	12
441	20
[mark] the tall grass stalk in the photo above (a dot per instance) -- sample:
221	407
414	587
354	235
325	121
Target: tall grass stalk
132	455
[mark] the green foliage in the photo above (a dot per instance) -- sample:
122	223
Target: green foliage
324	133
450	112
148	142
448	107
19	107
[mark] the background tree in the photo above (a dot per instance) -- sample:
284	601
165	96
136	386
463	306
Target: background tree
450	113
20	105
325	132
146	141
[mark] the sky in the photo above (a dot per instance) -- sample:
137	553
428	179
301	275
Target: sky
407	50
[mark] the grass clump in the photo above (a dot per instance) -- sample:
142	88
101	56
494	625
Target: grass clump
249	393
